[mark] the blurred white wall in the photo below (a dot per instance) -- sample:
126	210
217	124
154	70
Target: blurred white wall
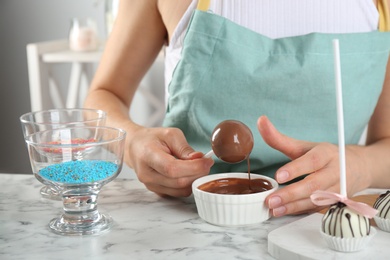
23	22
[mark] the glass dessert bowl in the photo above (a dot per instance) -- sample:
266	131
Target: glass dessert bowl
77	162
33	122
244	204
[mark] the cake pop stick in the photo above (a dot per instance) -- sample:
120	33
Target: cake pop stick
209	154
345	226
322	198
340	116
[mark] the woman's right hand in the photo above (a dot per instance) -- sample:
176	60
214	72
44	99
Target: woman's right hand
164	161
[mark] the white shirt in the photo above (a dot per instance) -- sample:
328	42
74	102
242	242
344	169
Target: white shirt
279	19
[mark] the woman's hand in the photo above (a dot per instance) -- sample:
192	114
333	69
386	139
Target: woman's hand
319	161
164	161
161	157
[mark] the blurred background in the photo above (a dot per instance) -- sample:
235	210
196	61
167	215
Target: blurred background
23	22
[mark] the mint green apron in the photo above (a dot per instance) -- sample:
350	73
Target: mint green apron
230	72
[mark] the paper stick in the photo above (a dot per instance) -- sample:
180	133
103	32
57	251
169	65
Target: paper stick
340	116
209	154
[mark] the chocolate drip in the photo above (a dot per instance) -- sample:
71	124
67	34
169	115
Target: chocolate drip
232	142
249	173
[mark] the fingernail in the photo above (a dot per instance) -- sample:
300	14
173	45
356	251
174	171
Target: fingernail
274	202
194	155
282	176
278	212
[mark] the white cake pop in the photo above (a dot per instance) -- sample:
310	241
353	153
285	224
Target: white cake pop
345	226
341	221
382	204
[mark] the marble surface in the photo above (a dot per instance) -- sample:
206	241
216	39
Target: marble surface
146	227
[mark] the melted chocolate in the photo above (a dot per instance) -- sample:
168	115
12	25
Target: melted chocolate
236	186
232	141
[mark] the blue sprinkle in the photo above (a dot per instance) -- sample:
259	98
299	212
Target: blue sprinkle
76	172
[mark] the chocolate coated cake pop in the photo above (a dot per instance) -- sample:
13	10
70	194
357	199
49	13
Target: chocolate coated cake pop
232	141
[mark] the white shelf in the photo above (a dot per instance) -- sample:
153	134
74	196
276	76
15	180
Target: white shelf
46	92
68	55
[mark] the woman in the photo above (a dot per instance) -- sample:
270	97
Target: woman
270	64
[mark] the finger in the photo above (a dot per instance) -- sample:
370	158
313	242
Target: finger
195	155
163	186
295	208
314	160
153	178
178	145
160	158
171	192
174	168
293	148
300	190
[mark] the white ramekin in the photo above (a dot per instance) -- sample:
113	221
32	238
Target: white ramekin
232	210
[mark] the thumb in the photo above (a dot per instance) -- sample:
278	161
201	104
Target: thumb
192	155
293	148
180	148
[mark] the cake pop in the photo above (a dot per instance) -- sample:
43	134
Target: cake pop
231	141
341	221
382	204
345	226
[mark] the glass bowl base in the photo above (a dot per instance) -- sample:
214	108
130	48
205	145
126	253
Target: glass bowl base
48	193
63	227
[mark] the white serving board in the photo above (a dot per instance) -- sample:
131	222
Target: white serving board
302	240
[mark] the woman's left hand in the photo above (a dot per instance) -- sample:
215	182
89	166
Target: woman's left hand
319	161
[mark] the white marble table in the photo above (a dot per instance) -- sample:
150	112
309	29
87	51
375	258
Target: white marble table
146	227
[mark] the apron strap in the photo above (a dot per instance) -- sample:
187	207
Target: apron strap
203	5
384	16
